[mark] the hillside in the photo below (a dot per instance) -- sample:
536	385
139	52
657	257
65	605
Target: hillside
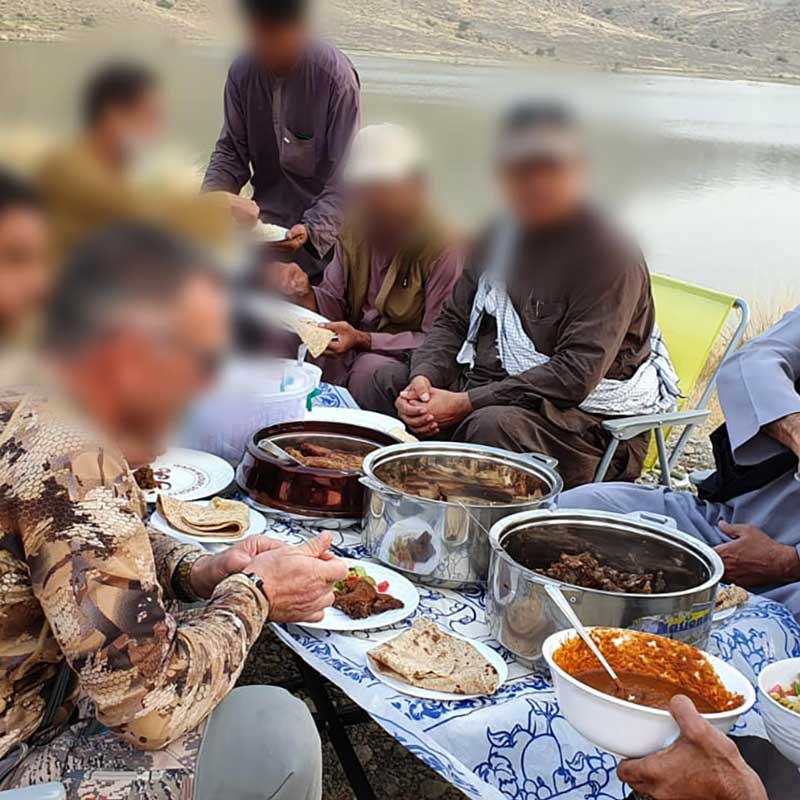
737	38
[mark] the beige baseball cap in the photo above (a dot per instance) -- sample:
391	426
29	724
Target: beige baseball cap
385	153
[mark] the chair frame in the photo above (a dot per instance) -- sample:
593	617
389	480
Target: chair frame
627	428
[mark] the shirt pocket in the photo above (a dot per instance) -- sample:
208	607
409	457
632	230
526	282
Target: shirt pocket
298	153
543	319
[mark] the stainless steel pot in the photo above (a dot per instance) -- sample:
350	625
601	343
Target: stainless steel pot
521	615
437	541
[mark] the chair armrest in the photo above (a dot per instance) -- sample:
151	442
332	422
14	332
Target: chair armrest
630	427
44	791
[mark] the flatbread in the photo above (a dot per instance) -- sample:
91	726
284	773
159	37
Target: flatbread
428	657
731	596
312	335
220	518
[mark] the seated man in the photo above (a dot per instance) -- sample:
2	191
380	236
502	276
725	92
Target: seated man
24	274
551	328
393	268
748	509
95	180
103	688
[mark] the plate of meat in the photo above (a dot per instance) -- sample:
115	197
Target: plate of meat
370	597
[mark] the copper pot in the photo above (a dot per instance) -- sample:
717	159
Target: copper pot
308	491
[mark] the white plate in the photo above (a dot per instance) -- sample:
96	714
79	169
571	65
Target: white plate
354	416
264	232
190	475
494	658
721	616
258	524
399	587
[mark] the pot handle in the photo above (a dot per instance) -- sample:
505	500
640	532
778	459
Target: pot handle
541	458
649	516
371	483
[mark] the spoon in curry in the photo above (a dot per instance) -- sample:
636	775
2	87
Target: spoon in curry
557	596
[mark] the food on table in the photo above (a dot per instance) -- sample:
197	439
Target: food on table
313	335
315	455
468	481
429	658
411	549
651	669
731	596
146	479
220	518
586	571
360	597
787	696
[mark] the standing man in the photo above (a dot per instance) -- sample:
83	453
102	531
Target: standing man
394	266
550	330
291	110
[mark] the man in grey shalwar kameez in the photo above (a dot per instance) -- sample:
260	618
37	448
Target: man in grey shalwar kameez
756	526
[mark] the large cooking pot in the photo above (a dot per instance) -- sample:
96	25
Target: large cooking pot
437	541
521	615
311	493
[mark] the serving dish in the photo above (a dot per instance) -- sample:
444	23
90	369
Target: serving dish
451	538
782	724
521	616
304	491
623	728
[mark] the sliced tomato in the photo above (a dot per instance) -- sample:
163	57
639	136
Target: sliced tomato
383	587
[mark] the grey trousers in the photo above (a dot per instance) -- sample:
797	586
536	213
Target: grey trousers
259	744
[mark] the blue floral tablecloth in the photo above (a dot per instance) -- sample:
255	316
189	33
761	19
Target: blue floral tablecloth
515	744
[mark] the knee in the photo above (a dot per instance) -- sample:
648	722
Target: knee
388	380
489	425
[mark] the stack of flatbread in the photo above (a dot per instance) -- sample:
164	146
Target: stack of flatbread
221	519
428	657
312	335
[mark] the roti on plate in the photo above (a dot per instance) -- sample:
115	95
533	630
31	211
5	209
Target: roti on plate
428	657
220	518
312	335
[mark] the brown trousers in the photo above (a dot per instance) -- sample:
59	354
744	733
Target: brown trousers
575	438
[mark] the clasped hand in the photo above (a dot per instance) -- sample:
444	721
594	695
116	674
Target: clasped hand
427	410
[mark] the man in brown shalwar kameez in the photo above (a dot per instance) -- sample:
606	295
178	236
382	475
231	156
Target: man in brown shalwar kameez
529	367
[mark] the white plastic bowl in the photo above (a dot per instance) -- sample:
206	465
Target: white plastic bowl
624	728
782	724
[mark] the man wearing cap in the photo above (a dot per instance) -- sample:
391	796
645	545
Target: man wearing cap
394	265
291	110
551	328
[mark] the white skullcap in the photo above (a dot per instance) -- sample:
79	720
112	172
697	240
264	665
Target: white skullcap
385	153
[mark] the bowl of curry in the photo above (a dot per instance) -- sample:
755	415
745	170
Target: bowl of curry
633	720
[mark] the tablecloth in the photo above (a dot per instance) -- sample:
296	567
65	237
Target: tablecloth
515	744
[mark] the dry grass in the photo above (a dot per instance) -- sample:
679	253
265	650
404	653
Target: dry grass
764	314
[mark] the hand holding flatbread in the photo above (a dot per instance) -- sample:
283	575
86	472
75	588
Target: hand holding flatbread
429	658
220	518
313	335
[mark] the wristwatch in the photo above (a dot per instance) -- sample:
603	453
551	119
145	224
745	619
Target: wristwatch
258	582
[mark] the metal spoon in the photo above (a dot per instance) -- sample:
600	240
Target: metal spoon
557	596
274	450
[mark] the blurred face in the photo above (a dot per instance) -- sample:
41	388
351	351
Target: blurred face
541	193
137	128
24	273
278	46
150	373
388	209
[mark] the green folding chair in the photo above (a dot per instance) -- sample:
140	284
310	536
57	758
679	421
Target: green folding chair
691	319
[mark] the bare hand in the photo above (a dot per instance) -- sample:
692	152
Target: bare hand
755	559
208	572
290	280
299	580
701	764
419	389
295	239
412	407
245	211
348	338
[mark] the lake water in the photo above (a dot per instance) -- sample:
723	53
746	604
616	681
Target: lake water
705	172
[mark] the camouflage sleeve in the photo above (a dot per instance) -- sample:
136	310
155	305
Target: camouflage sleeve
153	676
169	554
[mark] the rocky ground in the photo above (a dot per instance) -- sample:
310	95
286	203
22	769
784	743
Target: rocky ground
392	771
